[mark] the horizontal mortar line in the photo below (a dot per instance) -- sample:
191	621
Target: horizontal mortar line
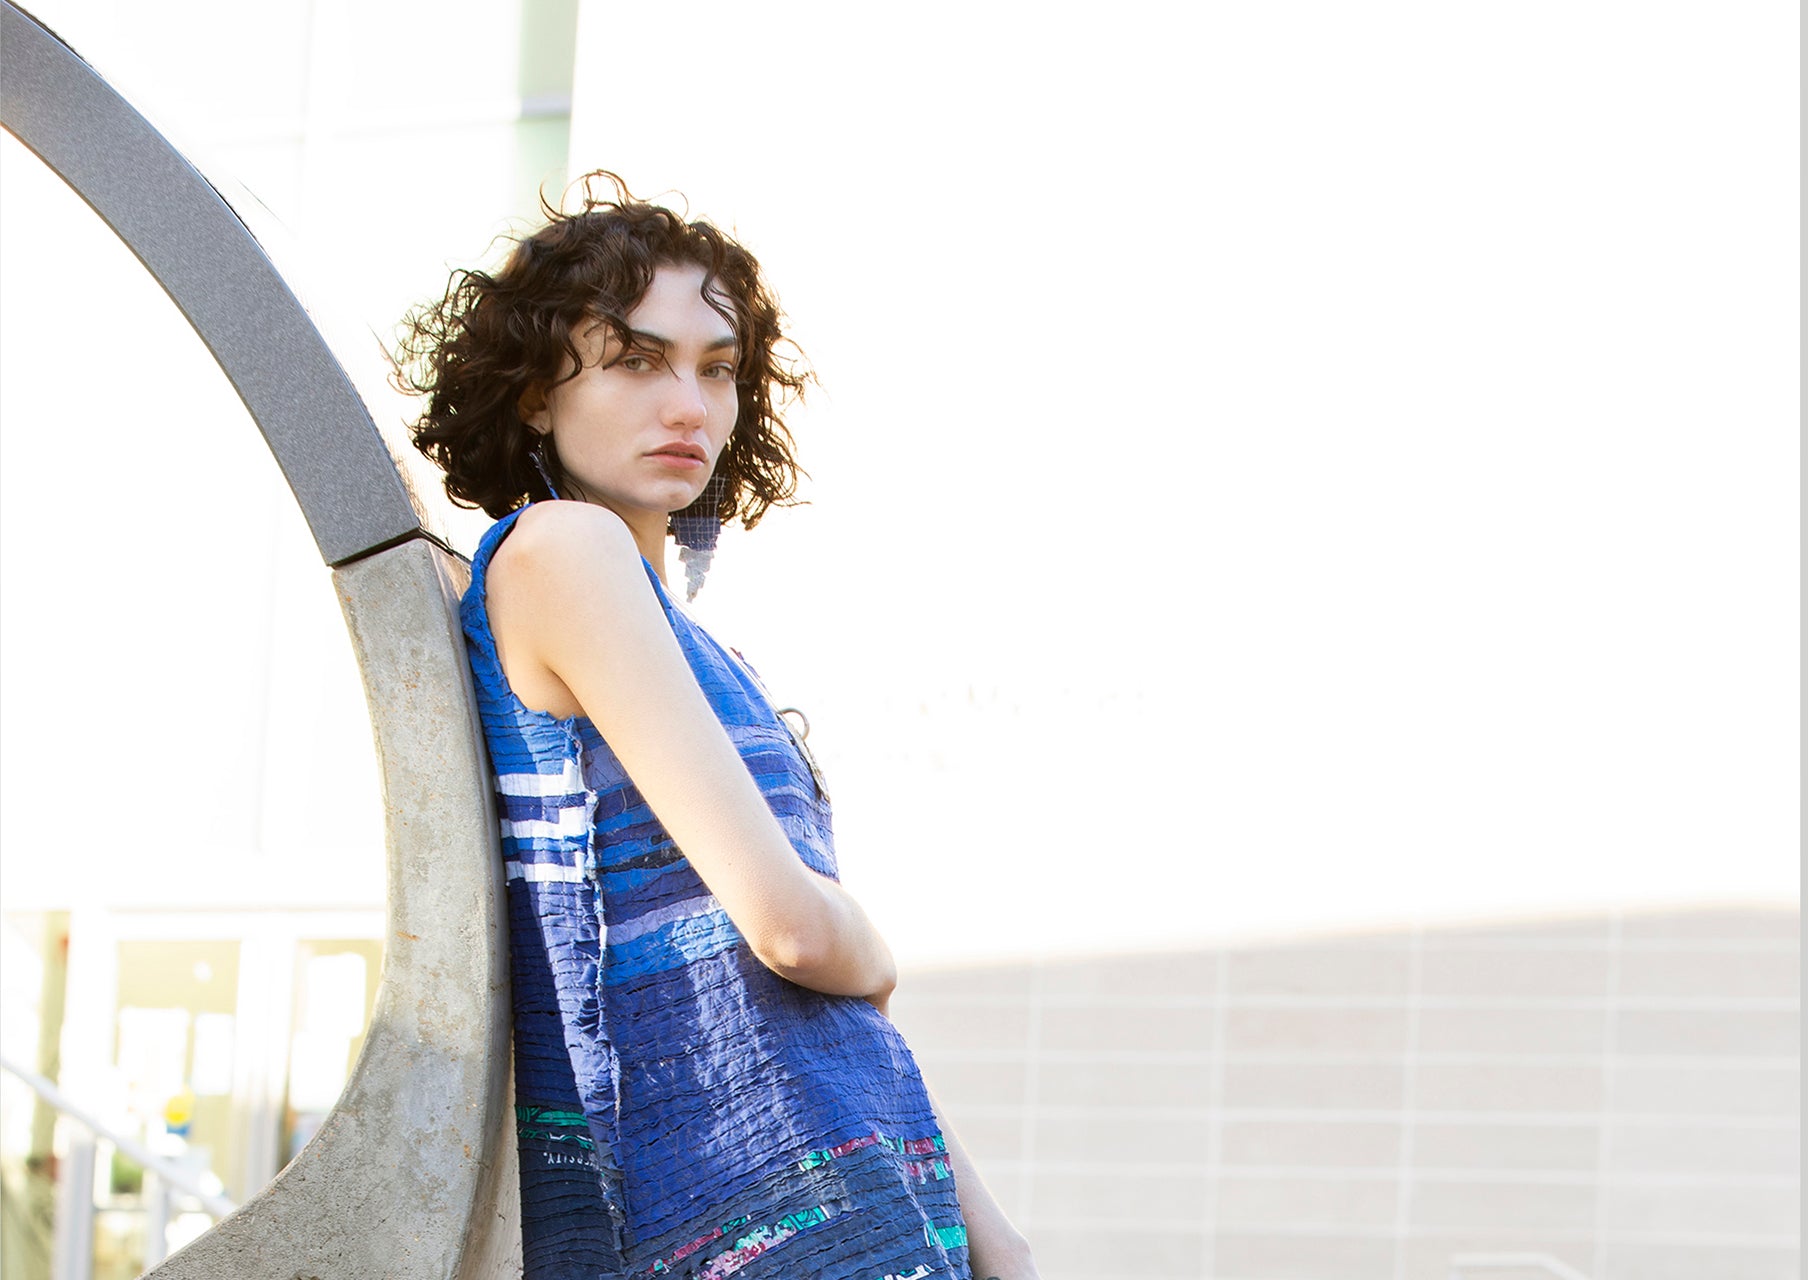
1589	1061
1712	944
1331	1058
1146	1168
1613	1235
1752	1062
1395	1115
1482	1115
1619	1058
1448	1176
1401	1000
1312	1230
1438	944
1680	1003
1639	1062
1634	1236
1435	938
1510	1237
1615	1178
1636	946
1237	1226
1420	1175
1646	1120
1486	1002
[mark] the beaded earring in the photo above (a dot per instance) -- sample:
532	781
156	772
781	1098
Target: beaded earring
696	530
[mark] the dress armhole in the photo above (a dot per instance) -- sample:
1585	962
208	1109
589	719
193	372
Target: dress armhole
474	609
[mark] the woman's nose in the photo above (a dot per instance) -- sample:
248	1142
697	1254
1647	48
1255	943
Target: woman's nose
685	405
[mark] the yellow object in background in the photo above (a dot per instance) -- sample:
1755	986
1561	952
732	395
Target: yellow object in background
179	1110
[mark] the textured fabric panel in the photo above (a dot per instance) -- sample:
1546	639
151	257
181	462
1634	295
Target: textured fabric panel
564	1225
682	1110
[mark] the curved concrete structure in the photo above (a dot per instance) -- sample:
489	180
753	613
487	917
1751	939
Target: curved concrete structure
412	1175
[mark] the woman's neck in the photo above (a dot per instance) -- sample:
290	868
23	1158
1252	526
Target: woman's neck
648	528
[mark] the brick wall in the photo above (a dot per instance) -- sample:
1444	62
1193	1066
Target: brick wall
1618	1092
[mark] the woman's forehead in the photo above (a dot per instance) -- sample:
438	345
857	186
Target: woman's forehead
674	312
677	292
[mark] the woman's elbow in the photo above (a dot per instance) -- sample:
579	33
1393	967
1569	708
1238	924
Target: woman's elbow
814	957
788	951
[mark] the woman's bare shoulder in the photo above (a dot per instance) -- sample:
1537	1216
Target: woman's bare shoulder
562	544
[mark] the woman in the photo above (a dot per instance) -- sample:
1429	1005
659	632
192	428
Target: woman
707	1082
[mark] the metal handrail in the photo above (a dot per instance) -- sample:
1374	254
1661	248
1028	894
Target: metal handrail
171	1173
1497	1261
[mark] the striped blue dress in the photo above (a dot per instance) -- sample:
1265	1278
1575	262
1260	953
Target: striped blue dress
682	1111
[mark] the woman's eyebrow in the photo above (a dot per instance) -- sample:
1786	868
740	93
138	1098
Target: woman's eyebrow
642	338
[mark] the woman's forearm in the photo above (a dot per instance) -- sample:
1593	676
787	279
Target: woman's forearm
996	1250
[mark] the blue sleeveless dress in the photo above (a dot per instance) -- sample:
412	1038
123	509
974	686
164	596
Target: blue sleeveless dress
681	1110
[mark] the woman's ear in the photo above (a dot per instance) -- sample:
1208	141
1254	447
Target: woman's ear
531	408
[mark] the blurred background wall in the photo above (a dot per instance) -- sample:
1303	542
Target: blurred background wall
1298	601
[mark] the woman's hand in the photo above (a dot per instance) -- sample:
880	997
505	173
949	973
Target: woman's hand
1022	1267
995	1249
578	628
1001	1260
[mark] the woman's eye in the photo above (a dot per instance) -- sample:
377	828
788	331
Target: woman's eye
725	371
636	364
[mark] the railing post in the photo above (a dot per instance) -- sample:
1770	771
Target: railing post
156	1195
72	1250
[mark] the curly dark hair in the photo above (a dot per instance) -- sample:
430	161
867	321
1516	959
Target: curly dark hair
476	350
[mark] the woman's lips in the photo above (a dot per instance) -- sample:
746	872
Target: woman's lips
680	458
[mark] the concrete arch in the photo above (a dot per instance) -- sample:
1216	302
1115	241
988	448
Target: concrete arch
412	1176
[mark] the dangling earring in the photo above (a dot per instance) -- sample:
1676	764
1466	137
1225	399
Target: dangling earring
696	530
533	456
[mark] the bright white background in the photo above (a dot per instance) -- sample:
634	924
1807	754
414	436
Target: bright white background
1277	467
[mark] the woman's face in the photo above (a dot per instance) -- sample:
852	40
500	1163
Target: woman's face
639	431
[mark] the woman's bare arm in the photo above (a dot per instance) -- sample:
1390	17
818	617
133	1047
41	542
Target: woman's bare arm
572	611
996	1250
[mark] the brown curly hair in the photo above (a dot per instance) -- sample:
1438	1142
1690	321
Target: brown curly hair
476	350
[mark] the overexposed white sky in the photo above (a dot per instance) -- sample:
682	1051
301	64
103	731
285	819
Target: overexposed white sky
1349	452
1277	466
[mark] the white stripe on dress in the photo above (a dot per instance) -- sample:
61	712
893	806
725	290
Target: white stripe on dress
574	820
541	872
651	920
570	782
